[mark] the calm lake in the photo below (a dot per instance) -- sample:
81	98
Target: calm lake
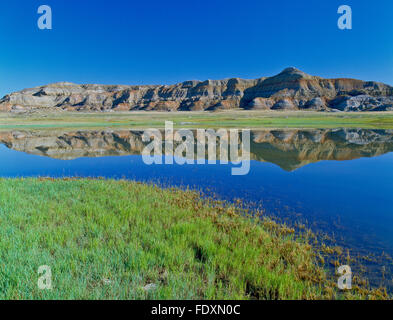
338	181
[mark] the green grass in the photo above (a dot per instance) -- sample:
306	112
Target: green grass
108	239
239	119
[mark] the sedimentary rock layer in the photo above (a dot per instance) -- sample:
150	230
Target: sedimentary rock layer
291	89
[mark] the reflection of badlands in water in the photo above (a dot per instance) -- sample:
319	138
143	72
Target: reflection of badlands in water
289	148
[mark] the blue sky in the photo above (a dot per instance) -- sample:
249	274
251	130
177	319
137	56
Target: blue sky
164	42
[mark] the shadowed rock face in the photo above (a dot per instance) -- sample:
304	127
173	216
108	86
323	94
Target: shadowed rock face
292	89
289	149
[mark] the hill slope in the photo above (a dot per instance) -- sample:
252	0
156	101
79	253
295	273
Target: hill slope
291	89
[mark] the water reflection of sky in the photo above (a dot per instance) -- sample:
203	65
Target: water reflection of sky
356	194
351	199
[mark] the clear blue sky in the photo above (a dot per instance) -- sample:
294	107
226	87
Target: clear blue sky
163	42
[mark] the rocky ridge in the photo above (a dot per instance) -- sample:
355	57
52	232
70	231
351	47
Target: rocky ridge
291	89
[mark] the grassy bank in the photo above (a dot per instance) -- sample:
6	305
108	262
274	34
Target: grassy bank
239	119
108	239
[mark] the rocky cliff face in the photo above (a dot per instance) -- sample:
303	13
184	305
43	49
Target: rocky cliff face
292	89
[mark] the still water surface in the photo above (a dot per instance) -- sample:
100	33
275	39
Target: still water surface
338	181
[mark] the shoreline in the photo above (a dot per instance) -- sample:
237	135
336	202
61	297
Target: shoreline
95	232
191	119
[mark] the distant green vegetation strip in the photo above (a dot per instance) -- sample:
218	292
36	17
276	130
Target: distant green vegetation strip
110	239
239	119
